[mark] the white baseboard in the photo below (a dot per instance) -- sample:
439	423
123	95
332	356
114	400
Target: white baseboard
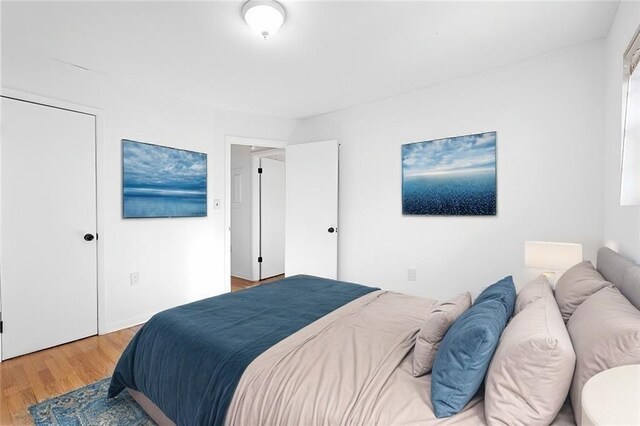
126	323
243	276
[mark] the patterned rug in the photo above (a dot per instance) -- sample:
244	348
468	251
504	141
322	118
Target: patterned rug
89	406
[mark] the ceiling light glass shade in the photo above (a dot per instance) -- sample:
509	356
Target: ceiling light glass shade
264	16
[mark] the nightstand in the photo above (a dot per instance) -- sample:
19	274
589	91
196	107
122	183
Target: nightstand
612	397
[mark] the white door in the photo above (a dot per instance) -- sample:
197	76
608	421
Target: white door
311	236
48	275
272	222
241	217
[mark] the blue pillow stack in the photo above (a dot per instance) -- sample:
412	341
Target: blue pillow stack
466	350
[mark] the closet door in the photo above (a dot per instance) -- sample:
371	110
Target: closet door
311	236
48	248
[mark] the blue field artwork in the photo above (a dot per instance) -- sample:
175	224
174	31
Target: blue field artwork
450	177
158	181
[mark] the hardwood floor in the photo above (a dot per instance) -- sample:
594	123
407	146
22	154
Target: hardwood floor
32	378
240	284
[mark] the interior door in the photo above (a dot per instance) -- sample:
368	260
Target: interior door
272	217
311	236
241	218
48	253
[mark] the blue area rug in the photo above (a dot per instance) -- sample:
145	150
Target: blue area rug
89	406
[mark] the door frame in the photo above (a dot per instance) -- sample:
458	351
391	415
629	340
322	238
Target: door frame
228	141
98	114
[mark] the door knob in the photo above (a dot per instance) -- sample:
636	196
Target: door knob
331	230
88	237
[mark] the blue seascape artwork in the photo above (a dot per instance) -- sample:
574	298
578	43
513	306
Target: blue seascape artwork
158	181
450	177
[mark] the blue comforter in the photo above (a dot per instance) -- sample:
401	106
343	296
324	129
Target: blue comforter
188	360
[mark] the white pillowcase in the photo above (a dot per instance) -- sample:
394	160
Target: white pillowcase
576	285
605	331
438	321
530	373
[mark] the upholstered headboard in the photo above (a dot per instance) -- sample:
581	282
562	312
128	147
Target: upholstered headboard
621	272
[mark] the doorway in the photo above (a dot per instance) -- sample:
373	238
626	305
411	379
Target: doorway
311	208
255	211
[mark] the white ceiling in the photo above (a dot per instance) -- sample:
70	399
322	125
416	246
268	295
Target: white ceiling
327	56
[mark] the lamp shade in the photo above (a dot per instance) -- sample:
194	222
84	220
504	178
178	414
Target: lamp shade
551	256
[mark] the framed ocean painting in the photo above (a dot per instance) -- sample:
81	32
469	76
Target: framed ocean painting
450	177
158	181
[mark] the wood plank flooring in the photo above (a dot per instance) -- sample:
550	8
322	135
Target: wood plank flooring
240	284
32	378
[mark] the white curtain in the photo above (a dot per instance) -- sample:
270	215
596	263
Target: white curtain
630	184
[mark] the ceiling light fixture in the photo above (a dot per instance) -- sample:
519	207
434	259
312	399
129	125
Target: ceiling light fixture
264	16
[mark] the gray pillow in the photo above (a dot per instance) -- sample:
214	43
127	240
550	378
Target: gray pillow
605	331
531	292
576	285
438	321
530	373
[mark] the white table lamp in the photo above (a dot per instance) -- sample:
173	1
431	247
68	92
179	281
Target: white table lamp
551	257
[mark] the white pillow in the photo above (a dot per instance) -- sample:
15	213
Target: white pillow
530	373
438	321
576	285
605	331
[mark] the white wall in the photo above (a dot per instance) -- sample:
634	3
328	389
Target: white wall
241	212
179	260
621	224
548	113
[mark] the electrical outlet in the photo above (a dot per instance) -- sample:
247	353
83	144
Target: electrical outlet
411	274
135	278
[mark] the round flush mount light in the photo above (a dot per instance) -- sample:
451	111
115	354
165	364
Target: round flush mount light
264	16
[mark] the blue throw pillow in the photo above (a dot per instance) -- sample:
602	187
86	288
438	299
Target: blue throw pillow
504	291
466	350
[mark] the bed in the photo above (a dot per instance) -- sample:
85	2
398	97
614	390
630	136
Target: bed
267	355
